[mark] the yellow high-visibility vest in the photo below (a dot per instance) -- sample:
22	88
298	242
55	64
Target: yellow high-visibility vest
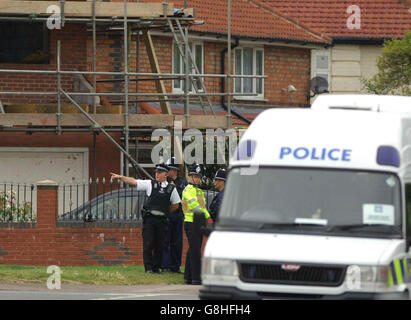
193	199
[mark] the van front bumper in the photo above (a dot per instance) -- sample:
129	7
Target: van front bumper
232	293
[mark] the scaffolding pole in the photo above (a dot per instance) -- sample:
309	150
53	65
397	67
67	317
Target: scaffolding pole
99	127
94	56
59	87
229	65
126	87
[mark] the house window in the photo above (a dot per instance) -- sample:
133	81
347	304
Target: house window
23	42
179	66
322	65
249	61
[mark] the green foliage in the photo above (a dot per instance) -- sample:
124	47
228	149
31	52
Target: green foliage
11	211
394	69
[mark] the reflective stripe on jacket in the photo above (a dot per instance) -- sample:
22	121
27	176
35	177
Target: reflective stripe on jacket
192	200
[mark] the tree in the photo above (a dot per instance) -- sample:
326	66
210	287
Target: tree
394	69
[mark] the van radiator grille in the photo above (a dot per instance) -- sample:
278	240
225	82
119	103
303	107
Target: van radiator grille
275	273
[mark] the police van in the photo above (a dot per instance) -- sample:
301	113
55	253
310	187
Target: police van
317	205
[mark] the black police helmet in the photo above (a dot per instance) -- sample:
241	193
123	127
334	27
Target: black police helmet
221	174
161	167
195	169
171	164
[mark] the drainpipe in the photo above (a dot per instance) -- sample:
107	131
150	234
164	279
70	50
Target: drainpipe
223	54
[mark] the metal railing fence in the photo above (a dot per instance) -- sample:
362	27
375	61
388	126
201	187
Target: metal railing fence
17	202
110	202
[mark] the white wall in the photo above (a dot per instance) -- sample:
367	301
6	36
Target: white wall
348	64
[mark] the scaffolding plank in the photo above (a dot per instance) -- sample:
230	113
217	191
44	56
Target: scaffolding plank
203	121
109	120
84	9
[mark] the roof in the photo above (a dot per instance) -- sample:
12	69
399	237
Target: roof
380	19
250	19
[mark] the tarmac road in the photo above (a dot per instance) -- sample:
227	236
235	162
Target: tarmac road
94	292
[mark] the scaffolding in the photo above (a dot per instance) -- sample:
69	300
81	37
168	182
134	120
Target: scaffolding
178	25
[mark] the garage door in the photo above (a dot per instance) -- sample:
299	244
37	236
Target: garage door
66	166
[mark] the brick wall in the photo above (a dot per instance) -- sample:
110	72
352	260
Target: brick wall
283	66
49	242
73	57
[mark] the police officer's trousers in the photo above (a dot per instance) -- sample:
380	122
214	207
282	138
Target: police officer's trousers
153	240
173	244
192	270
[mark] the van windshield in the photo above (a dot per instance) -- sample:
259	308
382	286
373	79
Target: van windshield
313	200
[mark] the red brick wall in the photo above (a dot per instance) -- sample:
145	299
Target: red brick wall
64	244
283	66
73	57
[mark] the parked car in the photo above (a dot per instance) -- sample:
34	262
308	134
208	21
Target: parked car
116	205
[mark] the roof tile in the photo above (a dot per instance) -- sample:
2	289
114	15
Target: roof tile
379	18
249	18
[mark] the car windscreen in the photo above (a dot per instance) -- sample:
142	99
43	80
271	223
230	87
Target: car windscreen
319	200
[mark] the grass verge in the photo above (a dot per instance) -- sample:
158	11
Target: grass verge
99	275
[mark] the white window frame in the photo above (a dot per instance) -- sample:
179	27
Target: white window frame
193	44
260	96
317	71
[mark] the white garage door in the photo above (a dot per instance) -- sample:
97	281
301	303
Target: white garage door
66	166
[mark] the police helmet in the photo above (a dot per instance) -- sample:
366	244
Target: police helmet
171	164
195	169
161	167
221	174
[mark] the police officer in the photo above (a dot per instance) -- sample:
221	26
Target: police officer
219	183
162	198
195	217
173	244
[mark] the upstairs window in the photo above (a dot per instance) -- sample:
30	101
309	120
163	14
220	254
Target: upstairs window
24	42
179	66
249	61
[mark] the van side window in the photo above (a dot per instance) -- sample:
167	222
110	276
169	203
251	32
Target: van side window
408	207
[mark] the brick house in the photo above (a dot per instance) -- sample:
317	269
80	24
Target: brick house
264	42
357	29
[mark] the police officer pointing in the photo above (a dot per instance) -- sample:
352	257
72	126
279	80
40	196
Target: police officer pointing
195	216
162	199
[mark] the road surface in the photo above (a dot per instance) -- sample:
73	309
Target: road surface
97	292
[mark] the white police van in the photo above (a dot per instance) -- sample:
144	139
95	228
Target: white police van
317	205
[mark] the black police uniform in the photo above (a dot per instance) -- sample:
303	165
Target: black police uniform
155	224
215	205
173	243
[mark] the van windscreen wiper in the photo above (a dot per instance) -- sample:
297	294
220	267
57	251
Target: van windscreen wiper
371	227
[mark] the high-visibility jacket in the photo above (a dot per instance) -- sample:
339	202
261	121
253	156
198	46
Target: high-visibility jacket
193	200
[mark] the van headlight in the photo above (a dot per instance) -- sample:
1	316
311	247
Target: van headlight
369	278
224	270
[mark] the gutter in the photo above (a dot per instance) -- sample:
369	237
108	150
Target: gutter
223	55
357	40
